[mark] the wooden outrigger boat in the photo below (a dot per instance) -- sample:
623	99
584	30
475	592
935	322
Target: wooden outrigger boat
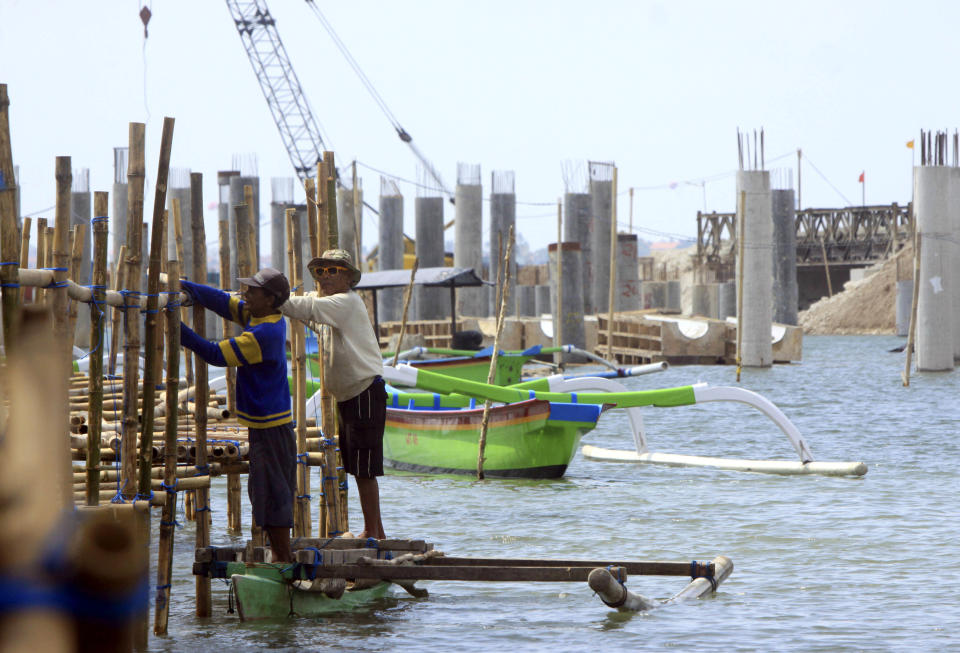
528	439
610	394
342	574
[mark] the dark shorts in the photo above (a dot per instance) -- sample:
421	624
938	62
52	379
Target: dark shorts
362	419
272	482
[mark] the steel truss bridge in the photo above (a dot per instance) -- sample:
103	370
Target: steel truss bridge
855	236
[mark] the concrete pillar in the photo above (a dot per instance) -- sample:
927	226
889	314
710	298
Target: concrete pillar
757	318
653	294
628	282
468	233
236	198
526	301
349	223
727	300
431	303
954	248
306	254
706	300
571	321
118	218
180	190
390	249
542	300
281	199
503	215
601	187
224	214
576	229
785	289
674	300
934	305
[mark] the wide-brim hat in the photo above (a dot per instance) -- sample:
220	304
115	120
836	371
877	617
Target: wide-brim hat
271	280
339	257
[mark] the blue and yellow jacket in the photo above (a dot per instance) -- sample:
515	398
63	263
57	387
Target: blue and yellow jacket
259	353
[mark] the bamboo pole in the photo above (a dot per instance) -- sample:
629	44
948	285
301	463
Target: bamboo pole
742	205
558	327
95	355
335	507
167	522
152	330
242	214
9	245
223	232
301	522
25	248
826	266
330	201
408	293
201	388
136	173
119	271
79	237
914	303
49	246
61	259
612	295
491	375
178	243
34	481
310	189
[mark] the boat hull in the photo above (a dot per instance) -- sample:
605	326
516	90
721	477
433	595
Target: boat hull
529	439
263	591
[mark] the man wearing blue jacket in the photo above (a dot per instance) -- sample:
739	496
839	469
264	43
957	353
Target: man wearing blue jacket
263	394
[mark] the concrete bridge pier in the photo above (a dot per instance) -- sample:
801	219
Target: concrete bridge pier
468	234
431	303
757	252
572	331
785	289
390	248
934	338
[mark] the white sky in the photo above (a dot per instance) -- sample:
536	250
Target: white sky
657	87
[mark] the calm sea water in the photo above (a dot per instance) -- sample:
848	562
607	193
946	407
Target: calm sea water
820	564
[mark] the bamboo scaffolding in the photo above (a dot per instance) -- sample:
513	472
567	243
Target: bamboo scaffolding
136	173
95	355
61	256
491	374
9	240
309	188
152	329
170	483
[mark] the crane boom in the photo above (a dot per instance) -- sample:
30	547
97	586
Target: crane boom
278	81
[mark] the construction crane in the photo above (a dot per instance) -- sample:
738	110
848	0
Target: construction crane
278	81
288	105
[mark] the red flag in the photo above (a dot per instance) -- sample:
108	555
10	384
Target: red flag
861	177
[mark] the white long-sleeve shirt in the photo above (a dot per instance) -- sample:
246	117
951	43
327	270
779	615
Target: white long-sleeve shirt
356	353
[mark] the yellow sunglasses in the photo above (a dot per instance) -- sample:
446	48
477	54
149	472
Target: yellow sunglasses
328	270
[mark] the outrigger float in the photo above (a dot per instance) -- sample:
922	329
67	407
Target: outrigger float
611	394
341	574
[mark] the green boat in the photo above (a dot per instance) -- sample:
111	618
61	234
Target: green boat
267	591
528	439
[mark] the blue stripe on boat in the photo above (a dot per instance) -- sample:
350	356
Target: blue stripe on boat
575	412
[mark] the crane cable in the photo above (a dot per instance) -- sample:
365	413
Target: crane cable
401	132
